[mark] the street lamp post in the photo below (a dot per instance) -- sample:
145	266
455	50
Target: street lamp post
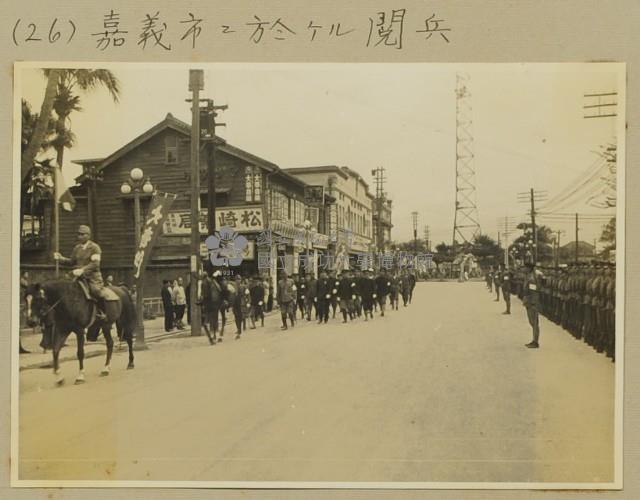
136	184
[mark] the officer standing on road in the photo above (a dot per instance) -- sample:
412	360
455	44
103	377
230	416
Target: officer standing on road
506	290
334	284
530	300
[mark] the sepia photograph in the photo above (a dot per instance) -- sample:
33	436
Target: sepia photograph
318	275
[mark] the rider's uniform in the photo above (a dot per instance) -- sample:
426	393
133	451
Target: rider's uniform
86	256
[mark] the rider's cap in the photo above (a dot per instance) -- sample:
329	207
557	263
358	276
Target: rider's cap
84	229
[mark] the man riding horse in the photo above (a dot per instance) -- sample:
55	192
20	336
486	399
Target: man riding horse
85	258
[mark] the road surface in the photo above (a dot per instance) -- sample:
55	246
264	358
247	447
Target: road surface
443	390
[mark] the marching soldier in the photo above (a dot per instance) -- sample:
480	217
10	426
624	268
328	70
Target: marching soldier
368	293
404	288
324	295
300	294
393	291
257	302
382	289
287	300
310	298
346	295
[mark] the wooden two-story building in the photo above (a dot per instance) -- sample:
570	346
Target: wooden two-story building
253	196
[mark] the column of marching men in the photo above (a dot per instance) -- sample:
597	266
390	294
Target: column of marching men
347	296
580	298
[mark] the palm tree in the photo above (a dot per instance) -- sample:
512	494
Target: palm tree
34	144
34	186
67	100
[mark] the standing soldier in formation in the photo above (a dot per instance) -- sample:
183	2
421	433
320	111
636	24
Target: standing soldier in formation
531	302
382	289
490	280
324	288
610	312
497	282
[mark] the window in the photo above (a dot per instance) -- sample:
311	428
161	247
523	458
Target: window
253	184
171	149
279	206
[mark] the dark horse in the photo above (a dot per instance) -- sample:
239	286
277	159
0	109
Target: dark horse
214	297
62	307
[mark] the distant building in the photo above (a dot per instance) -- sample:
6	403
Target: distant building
351	227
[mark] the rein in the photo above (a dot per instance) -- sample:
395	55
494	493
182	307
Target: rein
52	307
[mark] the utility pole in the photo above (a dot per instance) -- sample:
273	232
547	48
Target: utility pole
414	219
196	84
557	259
531	197
208	126
505	227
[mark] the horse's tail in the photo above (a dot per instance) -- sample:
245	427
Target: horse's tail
127	321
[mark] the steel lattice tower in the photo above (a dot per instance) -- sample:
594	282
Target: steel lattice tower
466	225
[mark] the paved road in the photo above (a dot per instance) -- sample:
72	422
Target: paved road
443	390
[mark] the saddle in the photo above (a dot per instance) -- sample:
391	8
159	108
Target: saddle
106	293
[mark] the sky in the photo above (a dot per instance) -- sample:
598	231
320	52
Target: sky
528	128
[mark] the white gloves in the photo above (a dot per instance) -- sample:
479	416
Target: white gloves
57	255
77	272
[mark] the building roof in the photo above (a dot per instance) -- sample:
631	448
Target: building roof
171	122
317	170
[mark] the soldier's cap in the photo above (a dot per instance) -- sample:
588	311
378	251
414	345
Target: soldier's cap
370	270
84	229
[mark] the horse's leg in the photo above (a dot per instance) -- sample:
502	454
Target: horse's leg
80	342
58	342
224	321
129	338
106	331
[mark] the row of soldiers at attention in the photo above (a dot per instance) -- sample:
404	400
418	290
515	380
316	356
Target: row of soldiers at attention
579	297
355	293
